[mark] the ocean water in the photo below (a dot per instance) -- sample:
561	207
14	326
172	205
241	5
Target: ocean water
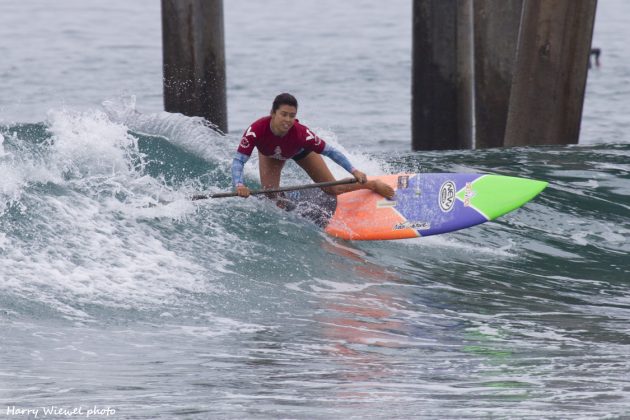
121	296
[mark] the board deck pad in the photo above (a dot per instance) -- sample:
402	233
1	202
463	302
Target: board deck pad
424	204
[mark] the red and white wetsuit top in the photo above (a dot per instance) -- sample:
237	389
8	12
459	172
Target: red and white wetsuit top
298	137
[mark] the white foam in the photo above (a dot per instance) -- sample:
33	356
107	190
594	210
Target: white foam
2	152
220	326
330	286
598	233
90	143
100	261
89	246
452	241
4	241
193	134
18	171
362	161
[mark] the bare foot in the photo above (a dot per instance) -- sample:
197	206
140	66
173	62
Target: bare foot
382	189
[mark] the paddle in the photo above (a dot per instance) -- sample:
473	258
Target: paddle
275	190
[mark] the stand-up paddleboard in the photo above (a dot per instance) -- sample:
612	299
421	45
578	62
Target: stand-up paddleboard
424	205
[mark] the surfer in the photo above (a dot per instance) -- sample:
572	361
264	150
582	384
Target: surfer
279	137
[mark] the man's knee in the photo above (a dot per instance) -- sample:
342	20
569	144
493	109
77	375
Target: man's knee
331	190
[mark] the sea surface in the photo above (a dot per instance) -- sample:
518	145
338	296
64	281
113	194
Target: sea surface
121	298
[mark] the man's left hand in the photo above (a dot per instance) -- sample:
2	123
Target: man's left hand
360	176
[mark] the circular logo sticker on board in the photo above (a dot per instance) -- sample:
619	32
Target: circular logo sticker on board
446	198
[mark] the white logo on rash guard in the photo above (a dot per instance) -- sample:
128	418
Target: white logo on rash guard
250	132
277	153
244	140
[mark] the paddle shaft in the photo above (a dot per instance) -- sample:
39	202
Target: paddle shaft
275	190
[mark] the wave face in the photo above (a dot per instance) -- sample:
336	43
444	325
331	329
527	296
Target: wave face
106	263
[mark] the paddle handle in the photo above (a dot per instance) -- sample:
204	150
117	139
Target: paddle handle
275	190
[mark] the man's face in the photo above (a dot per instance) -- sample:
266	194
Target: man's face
282	119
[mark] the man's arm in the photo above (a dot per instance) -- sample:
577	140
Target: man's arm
338	157
341	160
238	164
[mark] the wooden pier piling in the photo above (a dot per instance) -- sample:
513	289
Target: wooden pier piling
497	25
550	72
439	110
194	59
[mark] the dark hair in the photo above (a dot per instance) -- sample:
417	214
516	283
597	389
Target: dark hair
284	99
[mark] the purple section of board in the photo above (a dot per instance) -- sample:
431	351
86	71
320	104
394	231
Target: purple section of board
428	202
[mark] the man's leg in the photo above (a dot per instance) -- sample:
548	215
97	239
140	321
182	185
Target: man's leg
270	170
317	169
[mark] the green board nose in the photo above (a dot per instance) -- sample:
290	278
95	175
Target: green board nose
495	195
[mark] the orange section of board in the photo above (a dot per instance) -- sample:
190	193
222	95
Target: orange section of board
364	215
